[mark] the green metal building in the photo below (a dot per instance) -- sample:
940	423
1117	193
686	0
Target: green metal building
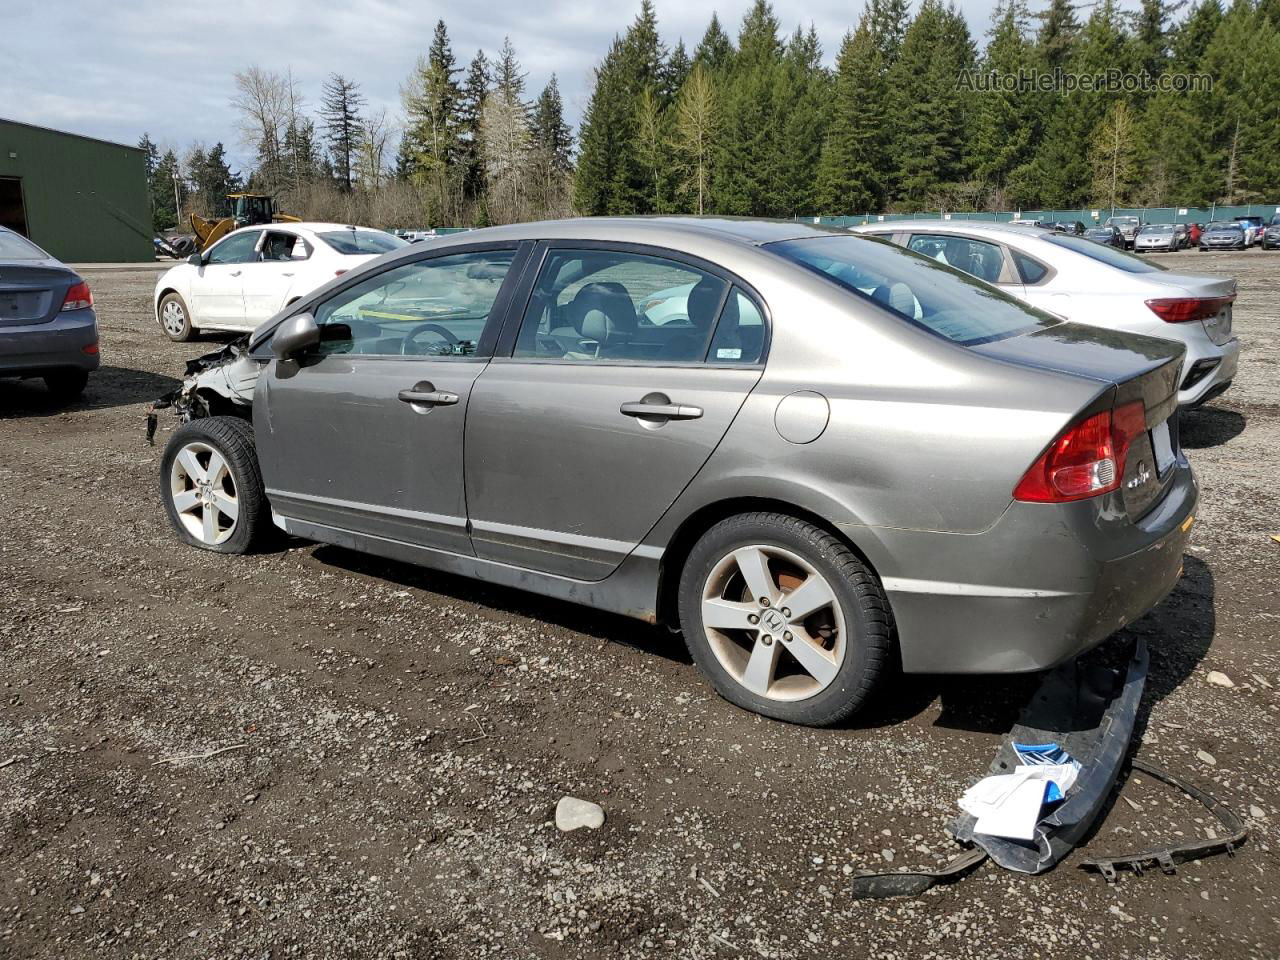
84	200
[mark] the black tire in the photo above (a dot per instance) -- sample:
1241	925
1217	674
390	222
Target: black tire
868	620
232	438
180	332
66	384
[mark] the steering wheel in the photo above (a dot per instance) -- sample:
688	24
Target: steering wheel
435	328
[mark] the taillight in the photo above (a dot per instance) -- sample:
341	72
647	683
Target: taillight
1187	309
78	297
1086	460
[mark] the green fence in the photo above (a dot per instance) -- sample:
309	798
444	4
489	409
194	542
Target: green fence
1086	214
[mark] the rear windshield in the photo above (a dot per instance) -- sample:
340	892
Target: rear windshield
1112	256
16	247
361	242
921	290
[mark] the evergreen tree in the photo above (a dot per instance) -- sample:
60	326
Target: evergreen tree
889	20
550	134
605	133
801	104
340	105
508	76
929	109
1058	30
166	186
475	90
431	102
851	169
1006	121
675	72
716	49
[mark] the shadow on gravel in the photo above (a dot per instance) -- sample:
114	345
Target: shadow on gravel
108	387
508	600
1210	427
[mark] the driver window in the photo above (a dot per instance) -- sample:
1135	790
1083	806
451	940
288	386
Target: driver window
237	248
431	308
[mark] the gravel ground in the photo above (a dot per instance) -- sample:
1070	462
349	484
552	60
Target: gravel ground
402	737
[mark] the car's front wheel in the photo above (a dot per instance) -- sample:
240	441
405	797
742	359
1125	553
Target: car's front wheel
784	619
212	486
175	318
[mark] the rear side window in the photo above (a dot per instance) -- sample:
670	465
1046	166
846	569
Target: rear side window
982	260
284	246
15	247
1030	270
739	333
607	305
1112	256
361	242
919	289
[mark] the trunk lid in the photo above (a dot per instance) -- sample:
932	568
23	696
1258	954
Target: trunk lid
1143	369
1218	326
30	293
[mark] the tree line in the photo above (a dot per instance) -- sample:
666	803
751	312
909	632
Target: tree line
756	124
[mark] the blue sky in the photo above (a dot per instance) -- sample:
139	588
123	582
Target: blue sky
114	70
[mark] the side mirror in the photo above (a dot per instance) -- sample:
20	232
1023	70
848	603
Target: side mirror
294	336
196	260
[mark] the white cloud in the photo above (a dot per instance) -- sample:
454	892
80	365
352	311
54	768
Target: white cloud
115	70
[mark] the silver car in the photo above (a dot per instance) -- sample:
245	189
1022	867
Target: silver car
837	453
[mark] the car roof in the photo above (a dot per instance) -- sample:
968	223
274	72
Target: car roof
957	226
650	230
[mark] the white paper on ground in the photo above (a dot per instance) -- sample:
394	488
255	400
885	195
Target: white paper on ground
1008	805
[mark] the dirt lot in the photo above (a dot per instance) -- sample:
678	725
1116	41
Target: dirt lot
405	737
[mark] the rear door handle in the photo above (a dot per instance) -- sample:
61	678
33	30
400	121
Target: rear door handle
430	398
661	411
235	273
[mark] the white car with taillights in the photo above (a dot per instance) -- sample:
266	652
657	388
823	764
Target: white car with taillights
1091	283
251	273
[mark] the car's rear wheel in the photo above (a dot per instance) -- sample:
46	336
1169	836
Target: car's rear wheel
784	619
175	318
66	384
212	486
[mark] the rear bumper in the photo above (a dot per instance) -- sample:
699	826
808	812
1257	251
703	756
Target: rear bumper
1222	362
1045	583
37	348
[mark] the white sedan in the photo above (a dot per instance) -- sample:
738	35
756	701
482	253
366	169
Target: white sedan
1088	282
251	273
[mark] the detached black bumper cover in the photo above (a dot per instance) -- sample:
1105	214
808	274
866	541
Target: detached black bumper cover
1089	711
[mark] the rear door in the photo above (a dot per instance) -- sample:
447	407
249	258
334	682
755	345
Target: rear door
365	434
618	382
267	280
217	288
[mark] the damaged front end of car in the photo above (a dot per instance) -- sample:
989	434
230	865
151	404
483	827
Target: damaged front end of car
220	383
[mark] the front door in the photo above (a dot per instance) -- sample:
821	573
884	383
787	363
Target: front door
365	434
626	372
217	289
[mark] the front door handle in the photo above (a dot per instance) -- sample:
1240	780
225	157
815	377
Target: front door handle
235	273
429	398
660	411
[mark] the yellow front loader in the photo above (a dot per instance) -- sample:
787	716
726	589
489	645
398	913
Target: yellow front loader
247	209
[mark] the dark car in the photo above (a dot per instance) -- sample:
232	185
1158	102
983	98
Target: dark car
1271	236
1225	235
47	325
1110	236
1068	226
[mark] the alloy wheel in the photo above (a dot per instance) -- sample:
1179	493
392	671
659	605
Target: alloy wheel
773	622
204	493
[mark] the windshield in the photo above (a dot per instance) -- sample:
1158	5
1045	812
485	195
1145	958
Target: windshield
1275	221
1158	228
1111	256
919	289
16	247
1123	221
1098	232
1225	225
361	242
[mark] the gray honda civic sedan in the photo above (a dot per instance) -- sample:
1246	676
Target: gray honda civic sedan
815	453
